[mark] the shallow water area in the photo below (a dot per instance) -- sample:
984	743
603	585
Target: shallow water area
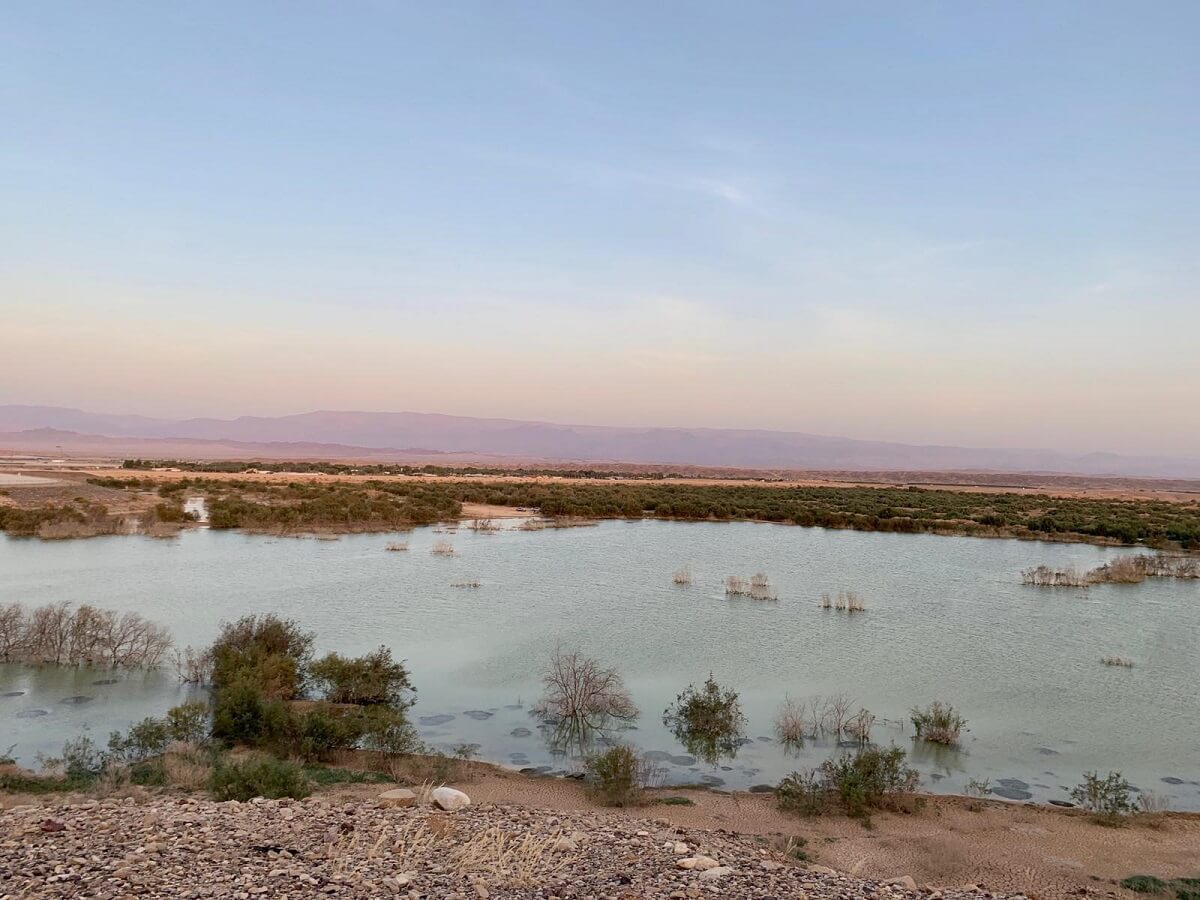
946	618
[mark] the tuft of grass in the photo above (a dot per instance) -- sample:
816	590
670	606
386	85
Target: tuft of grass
676	800
325	776
1144	884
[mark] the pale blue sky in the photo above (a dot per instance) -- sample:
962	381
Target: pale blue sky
953	222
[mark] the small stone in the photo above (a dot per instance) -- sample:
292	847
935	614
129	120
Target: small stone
698	863
680	848
770	865
715	873
905	881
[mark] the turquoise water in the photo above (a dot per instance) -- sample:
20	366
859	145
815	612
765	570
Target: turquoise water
947	618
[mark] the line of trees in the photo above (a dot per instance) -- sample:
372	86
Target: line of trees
57	634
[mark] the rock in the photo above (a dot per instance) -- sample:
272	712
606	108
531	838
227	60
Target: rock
905	881
680	848
698	863
822	870
449	799
564	844
770	865
398	797
715	873
51	825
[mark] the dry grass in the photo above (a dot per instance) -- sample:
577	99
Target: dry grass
185	767
484	526
471	583
443	548
397	546
508	860
682	576
1119	661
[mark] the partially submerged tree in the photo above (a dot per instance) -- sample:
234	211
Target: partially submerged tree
579	688
708	721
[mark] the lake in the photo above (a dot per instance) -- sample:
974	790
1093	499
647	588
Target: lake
947	618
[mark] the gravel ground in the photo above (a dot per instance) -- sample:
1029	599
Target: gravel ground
314	848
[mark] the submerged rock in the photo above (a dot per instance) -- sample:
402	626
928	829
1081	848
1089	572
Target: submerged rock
1015	784
441	719
32	713
1171	779
520	732
77	700
103	681
478	715
1011	793
13	694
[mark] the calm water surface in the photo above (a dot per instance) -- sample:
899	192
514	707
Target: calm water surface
946	619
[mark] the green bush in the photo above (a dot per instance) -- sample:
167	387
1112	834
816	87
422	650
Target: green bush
855	784
1107	797
804	793
272	652
939	723
262	776
189	722
618	776
372	679
242	715
708	720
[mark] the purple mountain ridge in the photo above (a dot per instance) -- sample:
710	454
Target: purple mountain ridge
750	448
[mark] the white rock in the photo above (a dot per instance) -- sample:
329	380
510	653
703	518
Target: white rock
449	799
715	873
905	881
565	845
770	865
680	848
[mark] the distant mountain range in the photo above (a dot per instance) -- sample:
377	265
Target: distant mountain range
406	435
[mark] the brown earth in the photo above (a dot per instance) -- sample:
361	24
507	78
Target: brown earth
951	841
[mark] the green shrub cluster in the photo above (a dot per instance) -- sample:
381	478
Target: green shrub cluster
618	776
258	776
855	784
263	664
708	720
375	505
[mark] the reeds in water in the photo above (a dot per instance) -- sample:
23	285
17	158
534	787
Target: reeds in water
1119	661
1044	576
484	526
682	576
443	548
470	583
846	601
397	546
756	587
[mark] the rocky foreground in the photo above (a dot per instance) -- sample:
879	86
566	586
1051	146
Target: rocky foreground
183	847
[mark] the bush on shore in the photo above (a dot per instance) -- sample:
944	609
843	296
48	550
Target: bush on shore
855	784
258	776
619	776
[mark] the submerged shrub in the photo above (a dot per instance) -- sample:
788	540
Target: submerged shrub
939	723
581	691
260	776
374	678
707	720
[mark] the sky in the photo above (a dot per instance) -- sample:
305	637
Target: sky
960	223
